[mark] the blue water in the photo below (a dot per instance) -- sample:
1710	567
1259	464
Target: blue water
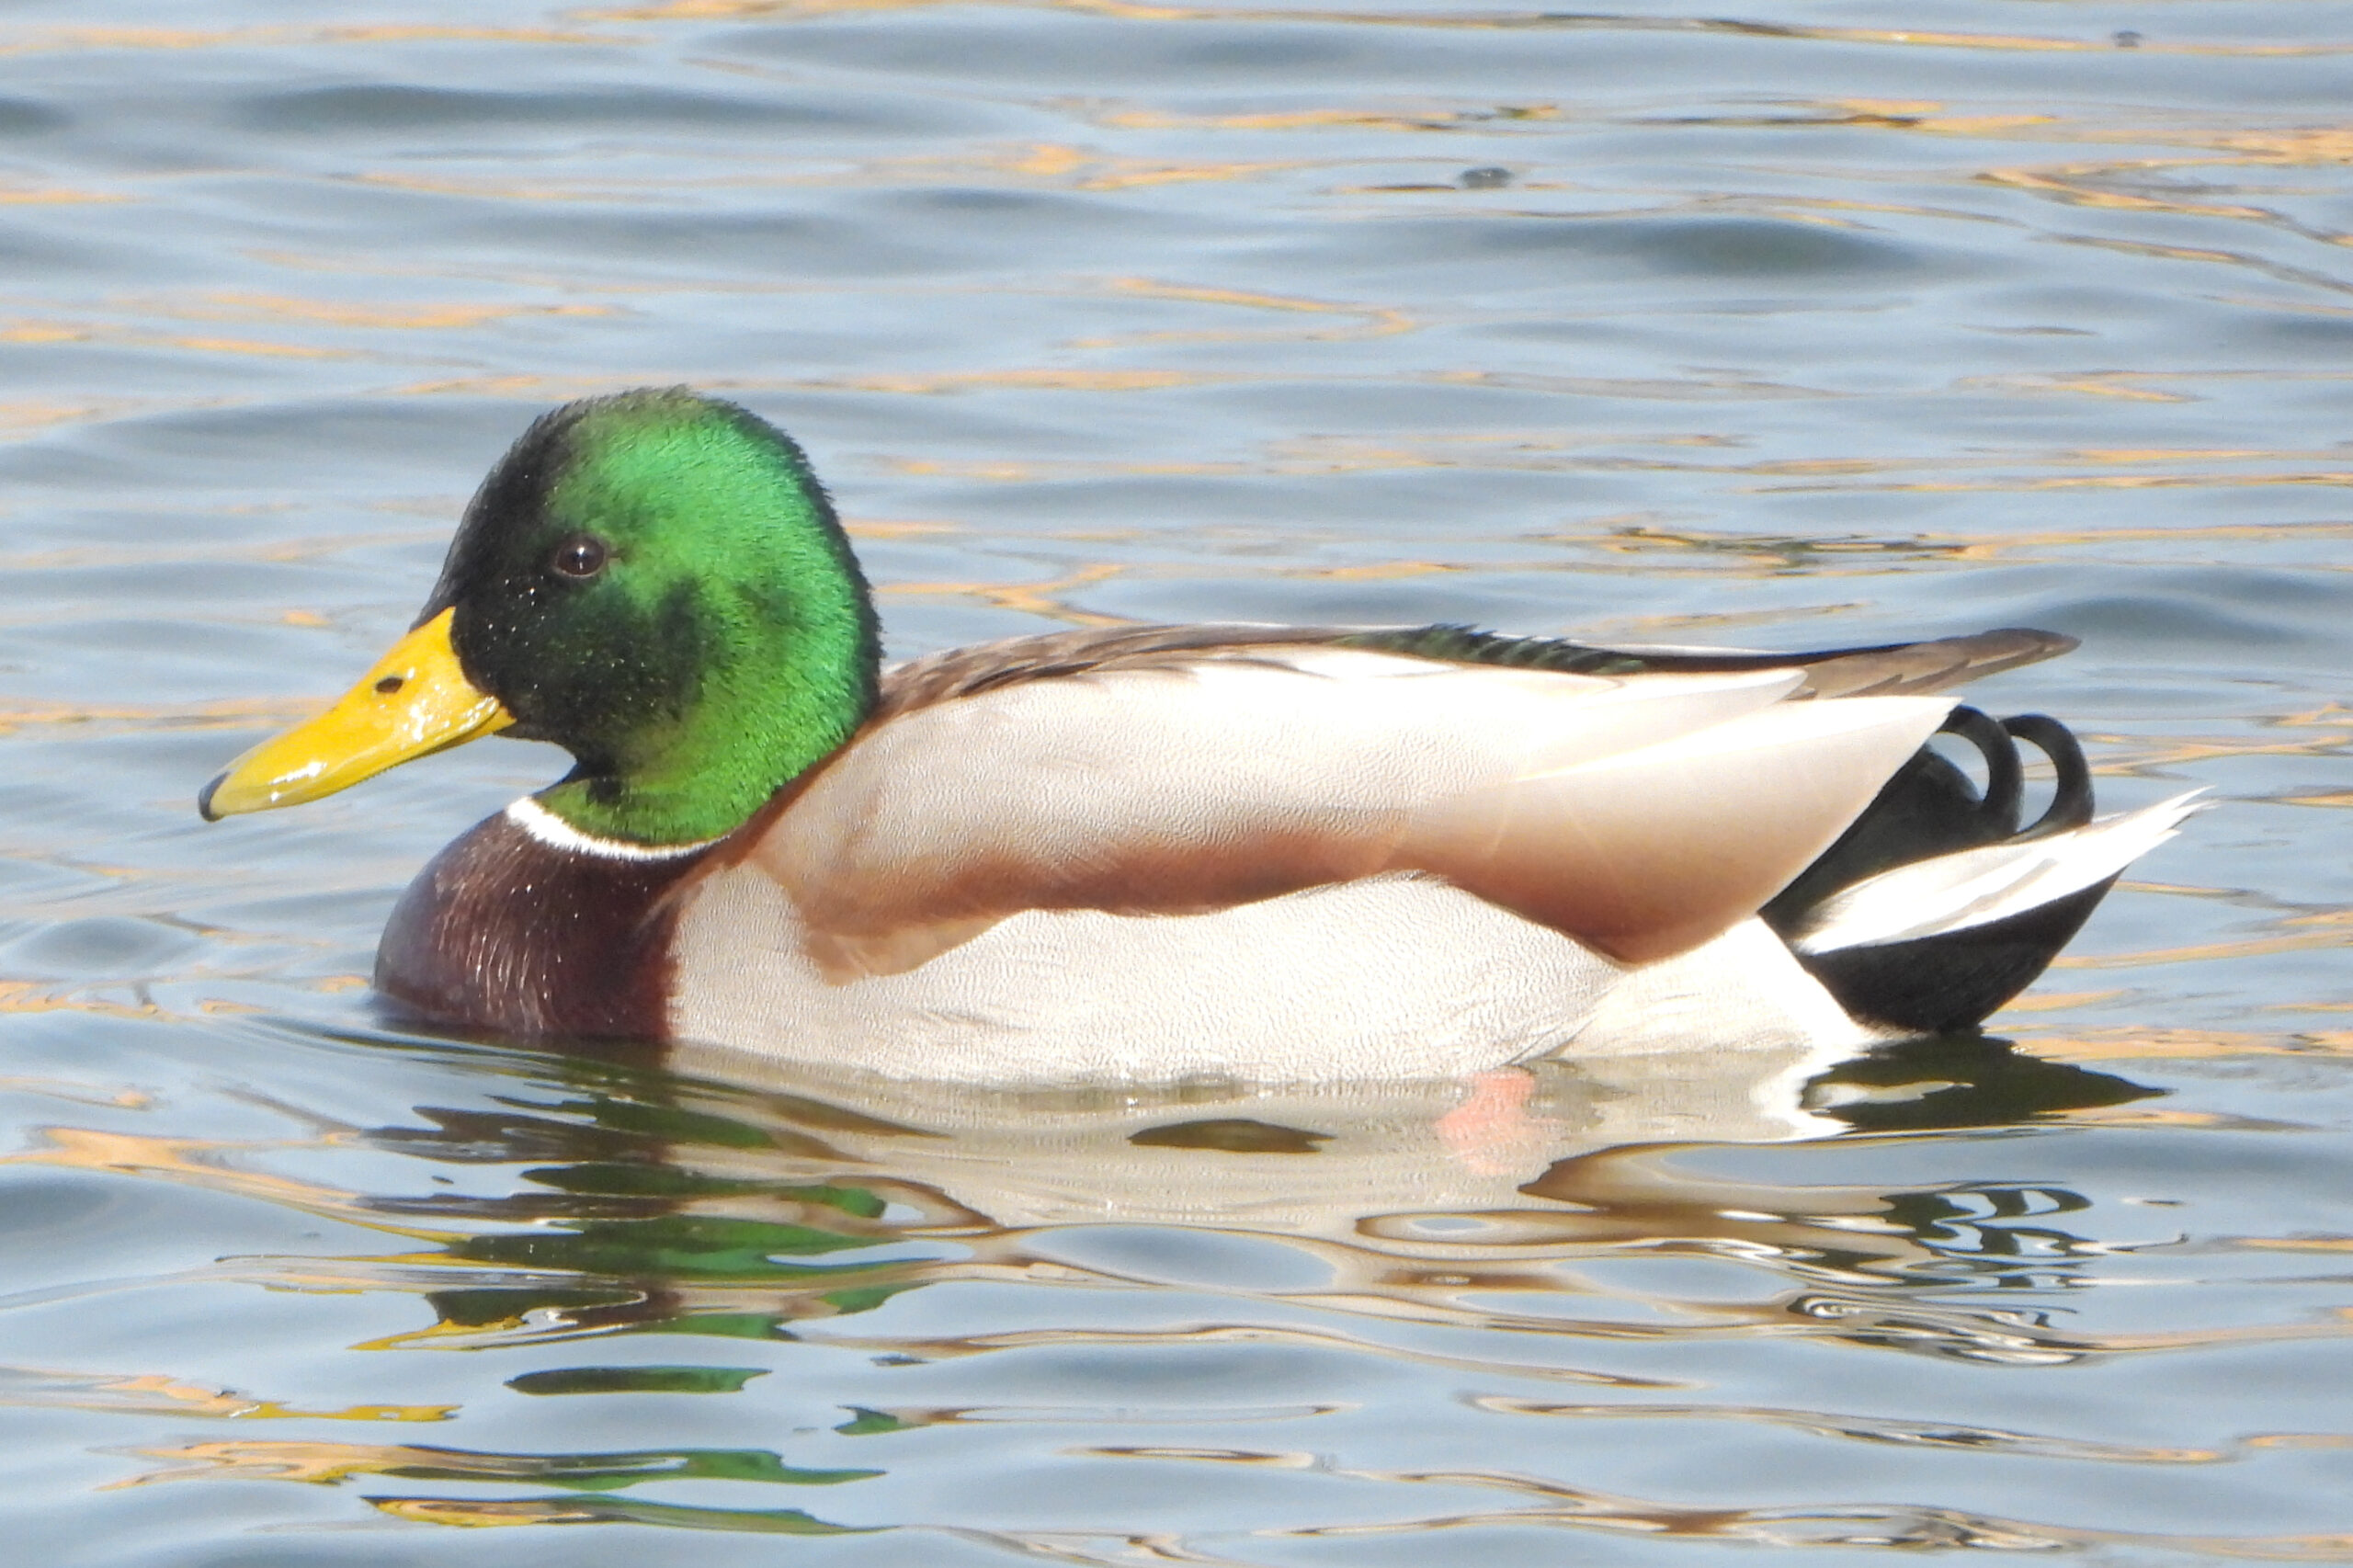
1798	327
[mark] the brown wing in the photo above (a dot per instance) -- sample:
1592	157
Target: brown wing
1892	669
986	666
1163	777
1908	669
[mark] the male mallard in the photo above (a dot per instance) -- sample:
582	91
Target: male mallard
1263	852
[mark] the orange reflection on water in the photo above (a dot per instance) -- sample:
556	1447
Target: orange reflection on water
61	40
1551	1503
230	305
1048	600
157	1393
197	1162
231	714
1866	1428
2128	1044
1369	321
2083	185
82	1093
1325	119
55	195
43	331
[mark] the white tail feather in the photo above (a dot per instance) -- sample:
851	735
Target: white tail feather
1976	887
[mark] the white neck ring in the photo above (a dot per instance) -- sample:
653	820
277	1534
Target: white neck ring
552	830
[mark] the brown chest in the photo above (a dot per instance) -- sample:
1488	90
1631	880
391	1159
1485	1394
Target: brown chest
507	933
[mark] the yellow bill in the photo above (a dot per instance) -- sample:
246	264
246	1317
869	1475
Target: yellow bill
415	701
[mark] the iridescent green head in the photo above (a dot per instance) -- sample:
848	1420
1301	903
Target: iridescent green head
654	581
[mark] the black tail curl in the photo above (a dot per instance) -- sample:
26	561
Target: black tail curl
1953	980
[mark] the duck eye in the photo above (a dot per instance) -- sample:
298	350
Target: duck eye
581	556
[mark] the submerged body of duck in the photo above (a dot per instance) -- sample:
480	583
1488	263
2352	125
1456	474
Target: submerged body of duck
1148	852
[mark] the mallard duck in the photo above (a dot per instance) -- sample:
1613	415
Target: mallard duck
1259	852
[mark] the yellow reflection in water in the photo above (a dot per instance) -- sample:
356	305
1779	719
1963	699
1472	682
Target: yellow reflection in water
1136	11
53	40
44	331
2080	185
197	1162
2088	482
935	383
1048	163
229	305
82	1093
312	547
159	1394
1541	450
1050	599
1909	1434
54	196
722	10
319	1464
1369	321
2127	1044
29	418
1324	119
23	997
231	714
1557	1504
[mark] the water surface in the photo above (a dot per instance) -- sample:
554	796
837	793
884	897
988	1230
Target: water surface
1786	328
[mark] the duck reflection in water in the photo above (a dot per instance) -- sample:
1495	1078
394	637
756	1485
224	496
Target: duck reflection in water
655	1201
665	1202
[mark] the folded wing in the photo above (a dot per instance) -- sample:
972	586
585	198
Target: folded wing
1640	814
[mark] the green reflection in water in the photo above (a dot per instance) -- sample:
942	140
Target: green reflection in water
625	1179
609	1511
607	1473
864	1423
698	1209
636	1380
329	1463
685	1246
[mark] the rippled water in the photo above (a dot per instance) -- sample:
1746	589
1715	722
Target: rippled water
1812	325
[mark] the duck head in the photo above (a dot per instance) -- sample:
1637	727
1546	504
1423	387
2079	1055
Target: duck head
656	581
